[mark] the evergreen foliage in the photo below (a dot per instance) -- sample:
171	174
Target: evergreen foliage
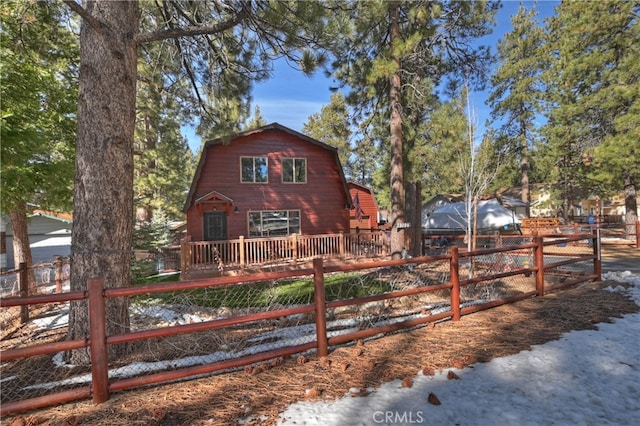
257	120
516	95
39	75
594	88
332	127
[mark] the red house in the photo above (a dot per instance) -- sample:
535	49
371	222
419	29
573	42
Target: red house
271	181
364	214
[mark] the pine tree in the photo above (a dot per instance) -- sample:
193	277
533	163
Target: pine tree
393	55
257	120
331	126
443	146
39	79
365	162
515	98
163	162
595	86
213	43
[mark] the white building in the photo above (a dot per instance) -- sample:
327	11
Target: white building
49	236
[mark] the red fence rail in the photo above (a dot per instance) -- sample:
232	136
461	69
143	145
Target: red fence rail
444	276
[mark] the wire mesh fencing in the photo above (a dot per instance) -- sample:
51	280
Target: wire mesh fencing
179	326
43	278
566	258
238	320
500	275
385	296
37	375
29	324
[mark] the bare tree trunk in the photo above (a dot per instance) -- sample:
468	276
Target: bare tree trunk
397	240
413	212
103	190
630	205
21	246
3	245
524	169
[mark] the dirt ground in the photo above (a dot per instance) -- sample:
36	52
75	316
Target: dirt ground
620	251
257	395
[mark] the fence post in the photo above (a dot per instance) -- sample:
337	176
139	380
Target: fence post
321	307
638	234
58	274
597	261
183	256
23	282
341	243
242	252
98	340
539	261
455	283
294	247
383	237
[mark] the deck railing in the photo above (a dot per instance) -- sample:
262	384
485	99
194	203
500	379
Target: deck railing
216	256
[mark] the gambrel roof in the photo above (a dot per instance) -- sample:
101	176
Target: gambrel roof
273	127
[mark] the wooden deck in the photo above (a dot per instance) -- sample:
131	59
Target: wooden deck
199	259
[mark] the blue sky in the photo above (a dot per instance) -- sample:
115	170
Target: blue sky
290	97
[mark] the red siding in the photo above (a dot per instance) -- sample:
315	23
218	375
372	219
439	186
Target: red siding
321	200
368	206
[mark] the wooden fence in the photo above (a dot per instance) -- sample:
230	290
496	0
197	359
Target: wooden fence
546	258
202	257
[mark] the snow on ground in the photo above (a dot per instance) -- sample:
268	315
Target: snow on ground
589	377
585	378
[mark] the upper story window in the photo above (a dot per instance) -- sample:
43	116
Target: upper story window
294	170
254	169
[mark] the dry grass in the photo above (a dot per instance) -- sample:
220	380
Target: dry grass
263	391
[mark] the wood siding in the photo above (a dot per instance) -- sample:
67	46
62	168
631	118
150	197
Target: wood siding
48	237
367	204
321	200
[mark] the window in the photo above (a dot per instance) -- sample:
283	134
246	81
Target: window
270	223
294	170
254	169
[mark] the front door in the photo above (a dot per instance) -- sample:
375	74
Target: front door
215	226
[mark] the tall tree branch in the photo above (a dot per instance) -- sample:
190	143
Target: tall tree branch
193	30
84	13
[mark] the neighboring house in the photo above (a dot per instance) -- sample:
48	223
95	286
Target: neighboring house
49	236
271	181
365	214
542	202
177	232
612	209
615	206
452	218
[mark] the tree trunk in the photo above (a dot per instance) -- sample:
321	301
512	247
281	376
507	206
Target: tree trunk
103	190
397	241
3	245
630	205
413	212
21	246
524	170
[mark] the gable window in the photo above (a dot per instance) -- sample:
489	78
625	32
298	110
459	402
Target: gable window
270	223
294	170
254	169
